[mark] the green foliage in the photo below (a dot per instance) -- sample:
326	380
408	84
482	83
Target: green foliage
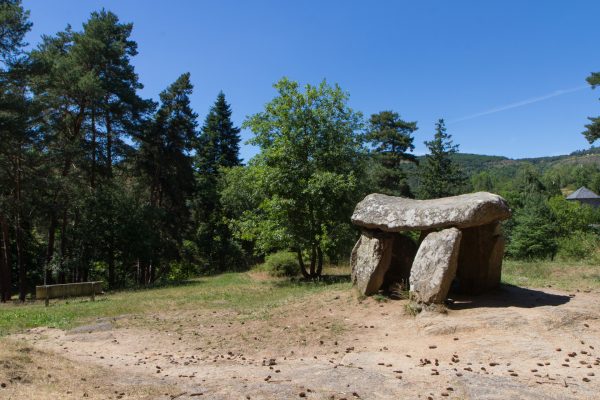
282	263
534	233
392	140
579	246
307	171
571	216
592	132
439	175
482	182
99	183
217	150
15	25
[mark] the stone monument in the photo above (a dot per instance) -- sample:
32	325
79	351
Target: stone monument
460	238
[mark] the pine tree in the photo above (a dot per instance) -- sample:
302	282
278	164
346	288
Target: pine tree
16	140
440	176
392	139
167	167
218	147
592	132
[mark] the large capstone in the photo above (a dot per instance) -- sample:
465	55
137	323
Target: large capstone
435	265
397	214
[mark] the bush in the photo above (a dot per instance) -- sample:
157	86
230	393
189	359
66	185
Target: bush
533	235
578	246
282	263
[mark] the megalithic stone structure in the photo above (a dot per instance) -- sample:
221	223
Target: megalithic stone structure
460	238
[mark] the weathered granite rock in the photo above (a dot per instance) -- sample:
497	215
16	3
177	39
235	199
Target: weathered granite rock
404	250
370	261
396	214
480	259
435	266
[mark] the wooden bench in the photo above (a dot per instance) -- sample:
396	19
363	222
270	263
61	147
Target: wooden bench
48	292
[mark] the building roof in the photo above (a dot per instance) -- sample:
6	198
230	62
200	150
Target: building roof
582	193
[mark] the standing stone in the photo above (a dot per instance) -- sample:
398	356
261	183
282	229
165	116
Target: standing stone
480	259
370	261
435	265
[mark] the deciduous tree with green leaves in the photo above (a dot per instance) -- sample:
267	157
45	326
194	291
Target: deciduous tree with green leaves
309	166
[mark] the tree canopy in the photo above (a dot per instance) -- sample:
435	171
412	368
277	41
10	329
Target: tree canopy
440	175
309	166
392	140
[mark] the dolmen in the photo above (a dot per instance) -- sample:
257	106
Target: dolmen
459	241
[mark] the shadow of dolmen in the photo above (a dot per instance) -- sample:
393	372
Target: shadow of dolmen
507	296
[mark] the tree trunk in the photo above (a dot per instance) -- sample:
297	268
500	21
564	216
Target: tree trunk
18	231
319	261
301	263
111	267
5	272
93	172
109	145
313	260
50	248
63	248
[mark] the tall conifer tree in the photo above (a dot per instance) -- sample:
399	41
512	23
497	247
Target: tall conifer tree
218	148
393	141
440	176
165	162
15	142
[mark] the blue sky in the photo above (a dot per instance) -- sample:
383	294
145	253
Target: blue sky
508	76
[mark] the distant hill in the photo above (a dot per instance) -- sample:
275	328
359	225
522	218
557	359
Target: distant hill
508	167
473	163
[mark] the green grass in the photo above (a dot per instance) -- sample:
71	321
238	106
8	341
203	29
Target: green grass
559	274
243	293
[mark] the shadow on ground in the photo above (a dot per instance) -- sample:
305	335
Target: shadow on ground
508	296
323	280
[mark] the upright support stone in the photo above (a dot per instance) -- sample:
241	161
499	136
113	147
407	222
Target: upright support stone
480	259
435	265
495	263
370	261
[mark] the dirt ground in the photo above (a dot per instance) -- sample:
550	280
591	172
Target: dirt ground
513	344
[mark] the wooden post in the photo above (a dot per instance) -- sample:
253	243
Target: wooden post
47	296
93	291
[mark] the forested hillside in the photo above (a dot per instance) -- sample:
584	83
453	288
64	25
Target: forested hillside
99	183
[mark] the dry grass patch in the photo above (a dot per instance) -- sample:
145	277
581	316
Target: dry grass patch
30	373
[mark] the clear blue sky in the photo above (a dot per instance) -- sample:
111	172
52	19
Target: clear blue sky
508	76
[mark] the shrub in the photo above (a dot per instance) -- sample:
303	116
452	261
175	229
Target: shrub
578	246
282	263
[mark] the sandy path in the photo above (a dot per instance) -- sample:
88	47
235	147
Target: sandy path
515	344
